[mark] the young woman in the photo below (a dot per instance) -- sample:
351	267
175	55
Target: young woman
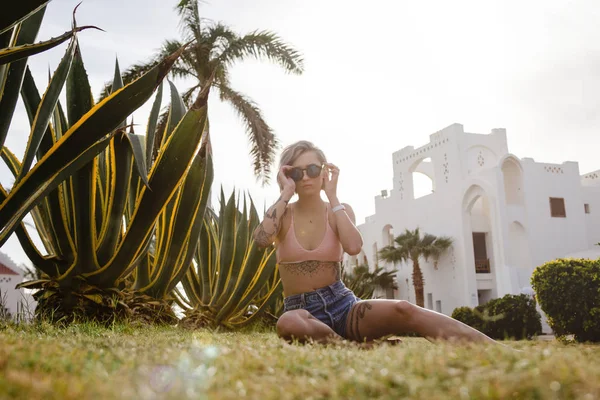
311	237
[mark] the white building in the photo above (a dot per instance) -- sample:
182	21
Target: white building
12	300
506	216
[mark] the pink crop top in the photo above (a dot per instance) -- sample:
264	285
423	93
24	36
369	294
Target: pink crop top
290	250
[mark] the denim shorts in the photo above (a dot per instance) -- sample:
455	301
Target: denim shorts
330	305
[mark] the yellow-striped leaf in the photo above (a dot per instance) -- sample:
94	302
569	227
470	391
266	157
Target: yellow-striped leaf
60	161
186	222
79	102
18	11
9	92
12	54
46	109
151	129
47	264
31	100
166	176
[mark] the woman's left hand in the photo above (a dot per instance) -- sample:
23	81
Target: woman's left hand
330	183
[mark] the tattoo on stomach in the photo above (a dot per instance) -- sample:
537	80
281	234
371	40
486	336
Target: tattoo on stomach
312	268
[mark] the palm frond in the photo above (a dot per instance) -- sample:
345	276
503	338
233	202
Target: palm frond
393	254
139	69
410	245
191	23
218	38
179	72
263	141
439	246
263	45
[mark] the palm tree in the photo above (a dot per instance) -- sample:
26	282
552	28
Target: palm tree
363	282
213	48
411	246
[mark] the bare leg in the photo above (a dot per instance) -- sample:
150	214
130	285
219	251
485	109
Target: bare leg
372	319
302	326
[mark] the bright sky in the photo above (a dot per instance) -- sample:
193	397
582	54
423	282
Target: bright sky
379	76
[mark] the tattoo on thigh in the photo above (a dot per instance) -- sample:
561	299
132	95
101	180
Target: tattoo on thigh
357	313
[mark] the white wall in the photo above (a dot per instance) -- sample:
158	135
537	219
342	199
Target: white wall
591	196
10	297
550	237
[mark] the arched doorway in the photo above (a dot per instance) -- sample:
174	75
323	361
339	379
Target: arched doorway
479	252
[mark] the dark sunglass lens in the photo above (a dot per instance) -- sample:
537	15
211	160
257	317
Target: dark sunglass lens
296	174
313	170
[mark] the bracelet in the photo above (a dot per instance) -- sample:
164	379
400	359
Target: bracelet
338	208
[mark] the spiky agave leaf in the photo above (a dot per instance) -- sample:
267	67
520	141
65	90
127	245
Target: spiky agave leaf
77	147
230	272
18	12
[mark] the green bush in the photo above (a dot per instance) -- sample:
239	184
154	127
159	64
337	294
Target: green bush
511	316
568	291
467	316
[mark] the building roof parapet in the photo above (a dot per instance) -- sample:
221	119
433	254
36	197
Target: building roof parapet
555	168
438	139
592	175
8	266
410	153
591	178
551	167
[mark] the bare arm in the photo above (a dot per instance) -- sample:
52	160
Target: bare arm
266	232
348	233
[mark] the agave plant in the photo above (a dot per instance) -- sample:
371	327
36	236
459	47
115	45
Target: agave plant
97	220
232	280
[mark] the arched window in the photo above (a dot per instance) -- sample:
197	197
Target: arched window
423	178
513	182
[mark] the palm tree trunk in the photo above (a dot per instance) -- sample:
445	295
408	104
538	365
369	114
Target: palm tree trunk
418	283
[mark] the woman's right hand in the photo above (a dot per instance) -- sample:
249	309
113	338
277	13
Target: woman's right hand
288	185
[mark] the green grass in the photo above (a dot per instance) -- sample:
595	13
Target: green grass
89	362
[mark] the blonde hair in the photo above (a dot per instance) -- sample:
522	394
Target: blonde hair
295	150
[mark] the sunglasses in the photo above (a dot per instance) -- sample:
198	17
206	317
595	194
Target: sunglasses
313	171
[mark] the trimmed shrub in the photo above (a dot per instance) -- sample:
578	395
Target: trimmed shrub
467	316
511	316
568	291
